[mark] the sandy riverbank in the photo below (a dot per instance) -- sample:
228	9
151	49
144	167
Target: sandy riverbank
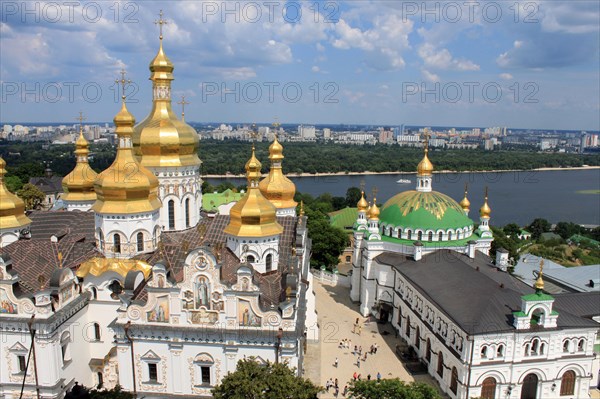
241	176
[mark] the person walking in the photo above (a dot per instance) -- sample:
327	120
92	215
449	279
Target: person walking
345	391
378	376
335	364
369	377
358	362
355	375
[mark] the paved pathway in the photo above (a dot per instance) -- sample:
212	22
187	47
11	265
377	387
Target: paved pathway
337	314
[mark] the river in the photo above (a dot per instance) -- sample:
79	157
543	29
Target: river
516	197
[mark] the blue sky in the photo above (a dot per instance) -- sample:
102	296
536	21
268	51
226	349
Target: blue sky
531	64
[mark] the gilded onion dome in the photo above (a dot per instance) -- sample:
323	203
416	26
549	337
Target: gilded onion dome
79	184
126	187
362	204
162	140
374	212
539	283
276	187
485	210
12	208
465	204
253	215
425	167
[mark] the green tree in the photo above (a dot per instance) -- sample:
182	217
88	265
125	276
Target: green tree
567	229
352	196
251	380
512	230
391	389
539	226
31	195
502	241
13	183
115	393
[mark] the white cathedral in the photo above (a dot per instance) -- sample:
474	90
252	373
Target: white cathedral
419	264
135	285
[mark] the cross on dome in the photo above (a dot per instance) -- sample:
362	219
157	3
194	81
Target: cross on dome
160	22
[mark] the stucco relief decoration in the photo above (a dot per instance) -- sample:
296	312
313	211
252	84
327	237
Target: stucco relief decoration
246	315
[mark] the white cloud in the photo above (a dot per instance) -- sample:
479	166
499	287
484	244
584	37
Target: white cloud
431	77
315	69
320	47
506	76
442	59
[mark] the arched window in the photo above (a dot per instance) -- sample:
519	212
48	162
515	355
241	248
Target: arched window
566	346
117	243
100	380
269	261
440	365
348	258
408	326
187	212
409	235
171	206
449	236
581	345
97	331
101	239
65	347
250	259
440	236
542	348
484	352
140	241
430	236
488	388
567	383
428	351
94	293
399	233
526	352
454	380
500	351
537	317
534	347
418	338
420	236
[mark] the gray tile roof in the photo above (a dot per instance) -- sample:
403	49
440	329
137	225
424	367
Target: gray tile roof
471	292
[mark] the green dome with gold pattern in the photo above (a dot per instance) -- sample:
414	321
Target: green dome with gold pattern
424	211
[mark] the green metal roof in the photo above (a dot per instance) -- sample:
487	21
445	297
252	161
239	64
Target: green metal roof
344	218
424	210
212	201
538	296
428	244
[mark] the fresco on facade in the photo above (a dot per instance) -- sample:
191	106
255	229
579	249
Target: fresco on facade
202	292
246	316
160	313
6	305
188	300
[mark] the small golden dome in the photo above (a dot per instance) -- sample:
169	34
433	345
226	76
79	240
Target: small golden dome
539	283
276	187
126	187
465	204
425	167
485	210
369	212
12	208
162	140
362	205
79	184
374	214
253	215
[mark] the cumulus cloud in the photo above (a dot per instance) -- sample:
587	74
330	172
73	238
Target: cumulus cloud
442	59
430	77
506	76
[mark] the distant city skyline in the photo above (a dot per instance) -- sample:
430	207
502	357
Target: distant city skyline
531	66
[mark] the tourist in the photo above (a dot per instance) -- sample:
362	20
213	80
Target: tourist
354	376
376	347
378	376
355	350
358	362
335	364
345	391
336	384
369	377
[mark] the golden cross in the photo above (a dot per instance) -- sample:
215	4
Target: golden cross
160	22
183	103
486	193
254	133
81	118
541	266
123	82
375	192
426	135
466	188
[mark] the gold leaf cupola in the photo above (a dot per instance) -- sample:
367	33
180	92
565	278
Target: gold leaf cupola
362	204
162	140
253	215
12	212
425	169
276	187
465	204
79	184
485	210
126	186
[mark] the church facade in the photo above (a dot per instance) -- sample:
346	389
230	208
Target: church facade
420	264
135	285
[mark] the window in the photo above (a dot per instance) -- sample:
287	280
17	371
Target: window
171	206
22	363
500	351
187	212
534	347
409	235
117	242
526	353
97	331
488	388
428	351
100	380
250	259
205	375
566	346
348	258
484	352
542	348
65	349
419	236
567	383
418	338
399	233
140	241
440	367
537	317
408	326
152	372
440	236
454	380
269	261
430	236
101	239
449	236
581	345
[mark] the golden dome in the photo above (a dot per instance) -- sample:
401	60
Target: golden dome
369	212
253	215
465	204
162	139
276	187
362	203
12	208
539	283
425	167
374	213
126	187
485	210
79	184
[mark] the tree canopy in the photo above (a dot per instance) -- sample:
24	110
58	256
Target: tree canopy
31	195
391	389
251	380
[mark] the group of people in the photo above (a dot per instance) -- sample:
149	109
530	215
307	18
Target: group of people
336	387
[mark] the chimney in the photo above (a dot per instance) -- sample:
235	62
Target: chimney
502	259
471	249
418	250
